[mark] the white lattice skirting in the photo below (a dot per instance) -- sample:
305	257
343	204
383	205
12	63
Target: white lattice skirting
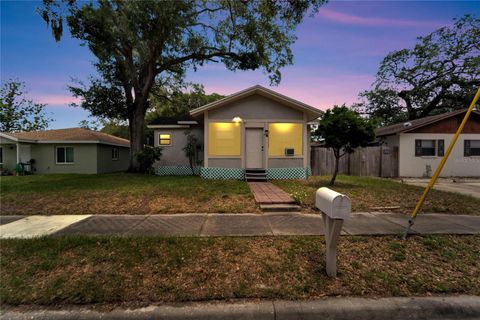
177	171
223	173
288	173
234	173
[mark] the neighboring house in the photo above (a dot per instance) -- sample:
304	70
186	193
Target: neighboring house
73	150
421	144
256	128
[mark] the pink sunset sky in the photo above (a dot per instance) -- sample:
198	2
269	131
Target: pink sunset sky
336	56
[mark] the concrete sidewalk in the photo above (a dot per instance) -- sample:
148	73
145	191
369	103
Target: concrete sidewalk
438	308
211	225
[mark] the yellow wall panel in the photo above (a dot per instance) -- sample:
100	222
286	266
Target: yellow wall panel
224	139
285	135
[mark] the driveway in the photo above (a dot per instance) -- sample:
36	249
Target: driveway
470	187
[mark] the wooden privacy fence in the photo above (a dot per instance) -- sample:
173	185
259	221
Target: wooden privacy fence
377	161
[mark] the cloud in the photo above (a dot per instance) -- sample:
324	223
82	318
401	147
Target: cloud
321	87
53	99
346	18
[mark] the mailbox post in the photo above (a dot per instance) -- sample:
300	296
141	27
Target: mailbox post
335	208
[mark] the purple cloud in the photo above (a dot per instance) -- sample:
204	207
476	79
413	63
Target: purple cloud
346	18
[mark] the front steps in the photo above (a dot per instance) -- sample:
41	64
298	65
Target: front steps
255	175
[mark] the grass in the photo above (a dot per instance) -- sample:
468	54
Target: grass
144	194
121	194
144	270
368	192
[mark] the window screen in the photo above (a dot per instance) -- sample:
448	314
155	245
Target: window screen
424	148
283	136
224	139
471	148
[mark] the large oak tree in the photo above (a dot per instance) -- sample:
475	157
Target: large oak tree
440	73
140	43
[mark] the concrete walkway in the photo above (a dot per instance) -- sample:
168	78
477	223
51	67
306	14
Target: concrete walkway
211	225
439	308
469	187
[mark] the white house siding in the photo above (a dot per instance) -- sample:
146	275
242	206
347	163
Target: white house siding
456	166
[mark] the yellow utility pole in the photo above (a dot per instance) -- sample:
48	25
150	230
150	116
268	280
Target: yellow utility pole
435	176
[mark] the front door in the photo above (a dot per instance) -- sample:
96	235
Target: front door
254	148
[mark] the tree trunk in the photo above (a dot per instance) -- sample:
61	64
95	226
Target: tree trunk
136	124
335	172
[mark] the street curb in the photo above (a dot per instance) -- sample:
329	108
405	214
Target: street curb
418	308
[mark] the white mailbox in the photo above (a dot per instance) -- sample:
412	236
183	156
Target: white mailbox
333	204
335	208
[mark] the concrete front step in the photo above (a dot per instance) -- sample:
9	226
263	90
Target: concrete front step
256	178
280	207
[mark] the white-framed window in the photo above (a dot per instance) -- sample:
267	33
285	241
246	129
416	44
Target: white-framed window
1	155
471	148
164	139
115	154
429	148
64	155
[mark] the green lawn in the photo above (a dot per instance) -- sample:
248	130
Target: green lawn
368	192
145	194
121	194
144	270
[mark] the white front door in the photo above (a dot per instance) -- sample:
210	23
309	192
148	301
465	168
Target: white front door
254	148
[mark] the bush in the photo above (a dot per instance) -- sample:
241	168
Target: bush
147	158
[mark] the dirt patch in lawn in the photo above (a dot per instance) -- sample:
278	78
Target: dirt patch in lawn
368	193
144	270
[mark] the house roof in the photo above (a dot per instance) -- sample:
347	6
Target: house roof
181	121
418	123
72	135
171	120
312	112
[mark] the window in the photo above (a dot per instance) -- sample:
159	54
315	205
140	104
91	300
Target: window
1	155
282	136
64	155
441	148
165	139
114	153
424	148
224	139
471	148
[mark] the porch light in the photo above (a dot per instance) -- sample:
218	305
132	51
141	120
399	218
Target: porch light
237	119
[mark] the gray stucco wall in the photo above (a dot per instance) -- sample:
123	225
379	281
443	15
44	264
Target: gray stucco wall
9	157
225	162
174	155
85	158
255	107
105	163
285	162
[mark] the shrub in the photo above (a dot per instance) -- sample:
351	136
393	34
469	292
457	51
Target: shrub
147	158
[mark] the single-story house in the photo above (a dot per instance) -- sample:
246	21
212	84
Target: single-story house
73	150
256	132
422	143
